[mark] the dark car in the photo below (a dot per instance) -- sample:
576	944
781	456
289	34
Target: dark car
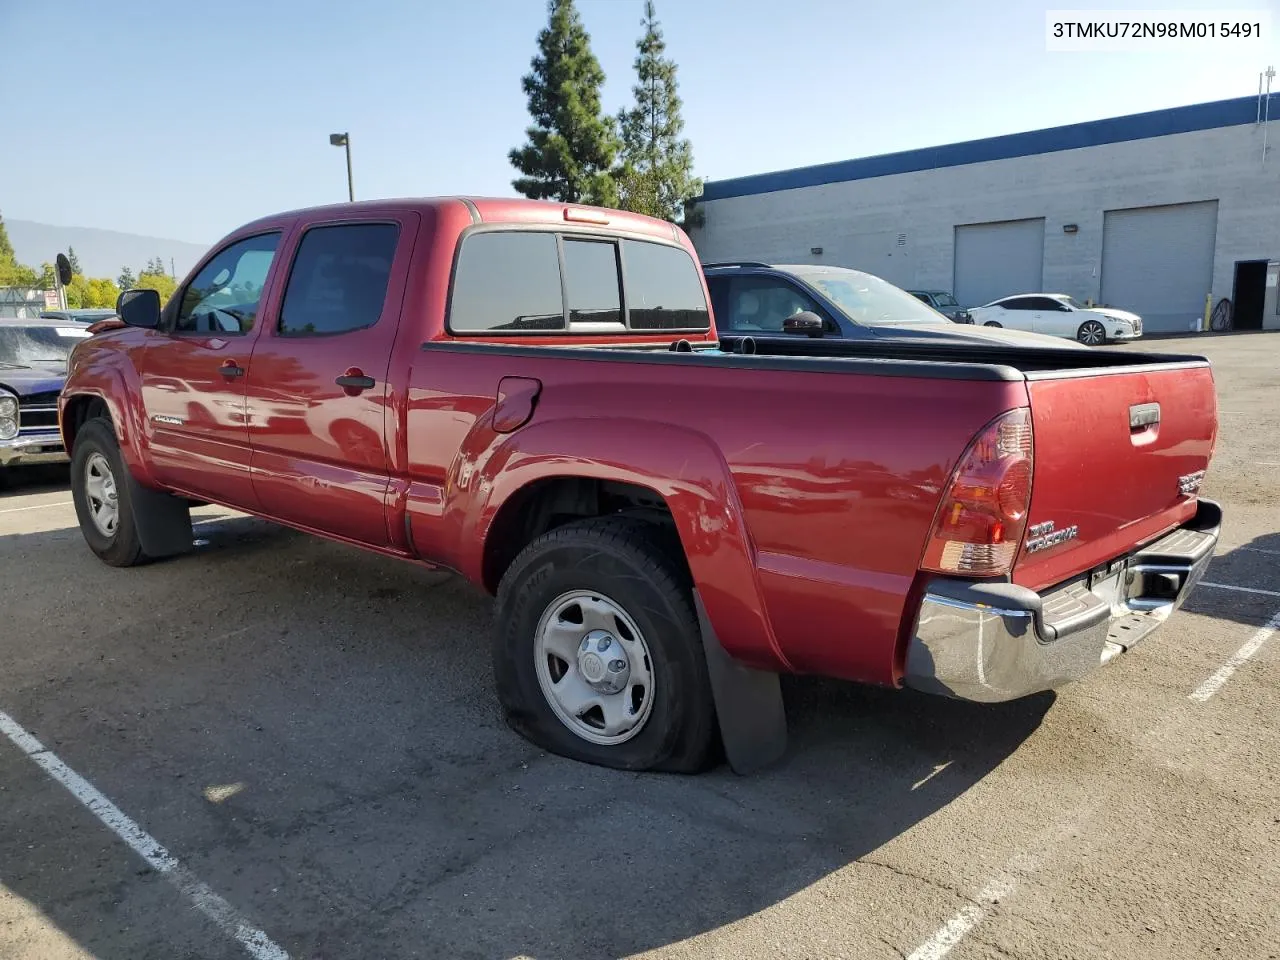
752	298
944	303
88	315
33	367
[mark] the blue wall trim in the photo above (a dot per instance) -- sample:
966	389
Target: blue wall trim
1137	126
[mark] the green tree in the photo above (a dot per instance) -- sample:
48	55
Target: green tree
77	292
160	282
8	262
22	276
74	260
655	176
6	248
572	144
103	292
126	279
48	278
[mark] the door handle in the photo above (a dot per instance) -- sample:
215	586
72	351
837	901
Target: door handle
230	369
354	382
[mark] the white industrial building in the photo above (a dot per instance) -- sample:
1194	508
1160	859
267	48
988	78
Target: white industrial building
1150	212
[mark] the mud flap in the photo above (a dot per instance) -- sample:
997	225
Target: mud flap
753	721
163	521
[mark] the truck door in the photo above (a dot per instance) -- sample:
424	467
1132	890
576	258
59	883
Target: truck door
317	389
193	370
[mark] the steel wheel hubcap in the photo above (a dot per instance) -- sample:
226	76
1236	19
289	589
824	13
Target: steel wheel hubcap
100	491
593	667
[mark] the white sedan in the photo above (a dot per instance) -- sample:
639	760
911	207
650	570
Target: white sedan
1059	315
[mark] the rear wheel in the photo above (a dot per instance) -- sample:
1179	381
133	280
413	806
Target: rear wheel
991	323
100	491
1092	333
597	652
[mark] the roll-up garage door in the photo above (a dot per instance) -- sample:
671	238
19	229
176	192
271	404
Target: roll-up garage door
1158	262
994	260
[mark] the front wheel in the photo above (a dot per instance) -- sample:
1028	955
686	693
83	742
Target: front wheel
991	323
597	653
1092	333
100	492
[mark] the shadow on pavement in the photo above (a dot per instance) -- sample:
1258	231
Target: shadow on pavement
23	481
1254	566
312	731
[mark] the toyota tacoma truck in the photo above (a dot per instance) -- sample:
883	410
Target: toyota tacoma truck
534	396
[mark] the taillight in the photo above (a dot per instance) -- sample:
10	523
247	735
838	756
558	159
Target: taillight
983	513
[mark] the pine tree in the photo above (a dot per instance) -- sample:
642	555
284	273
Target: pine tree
74	261
7	256
572	144
10	271
655	176
125	281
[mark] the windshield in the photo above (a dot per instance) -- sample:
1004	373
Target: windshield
945	300
866	299
1071	302
24	346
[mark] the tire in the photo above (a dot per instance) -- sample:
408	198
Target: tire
992	323
96	452
1092	333
598	564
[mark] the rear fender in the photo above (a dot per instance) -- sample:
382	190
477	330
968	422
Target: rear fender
682	466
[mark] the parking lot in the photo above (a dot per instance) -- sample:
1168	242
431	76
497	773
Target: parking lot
310	733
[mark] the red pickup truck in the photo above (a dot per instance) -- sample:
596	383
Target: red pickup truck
533	395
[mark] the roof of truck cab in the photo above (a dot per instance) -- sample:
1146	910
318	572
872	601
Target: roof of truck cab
496	210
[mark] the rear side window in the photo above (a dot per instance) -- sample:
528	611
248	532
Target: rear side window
664	291
507	281
1018	303
1047	303
534	281
339	279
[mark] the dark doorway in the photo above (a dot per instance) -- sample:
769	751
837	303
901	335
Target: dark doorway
1247	294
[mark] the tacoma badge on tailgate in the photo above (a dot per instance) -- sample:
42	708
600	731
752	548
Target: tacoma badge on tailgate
1042	536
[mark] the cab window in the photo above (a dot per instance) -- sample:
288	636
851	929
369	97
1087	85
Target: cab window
223	297
339	279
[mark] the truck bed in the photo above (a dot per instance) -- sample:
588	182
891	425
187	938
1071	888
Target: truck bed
882	357
840	476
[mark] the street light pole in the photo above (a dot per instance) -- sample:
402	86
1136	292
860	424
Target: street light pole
344	140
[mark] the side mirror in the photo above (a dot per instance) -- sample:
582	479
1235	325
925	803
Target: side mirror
805	322
139	308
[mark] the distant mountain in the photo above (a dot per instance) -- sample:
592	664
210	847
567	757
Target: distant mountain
101	252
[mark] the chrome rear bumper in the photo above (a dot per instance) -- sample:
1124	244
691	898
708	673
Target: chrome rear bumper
997	641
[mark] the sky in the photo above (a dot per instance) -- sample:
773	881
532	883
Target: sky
183	119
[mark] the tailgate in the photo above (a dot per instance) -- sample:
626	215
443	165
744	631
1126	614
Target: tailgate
1118	457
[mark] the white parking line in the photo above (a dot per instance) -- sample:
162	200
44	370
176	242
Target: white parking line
1232	586
1005	883
38	506
1001	886
965	919
1238	659
256	943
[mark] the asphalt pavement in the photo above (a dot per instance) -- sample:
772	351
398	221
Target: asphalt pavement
310	734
